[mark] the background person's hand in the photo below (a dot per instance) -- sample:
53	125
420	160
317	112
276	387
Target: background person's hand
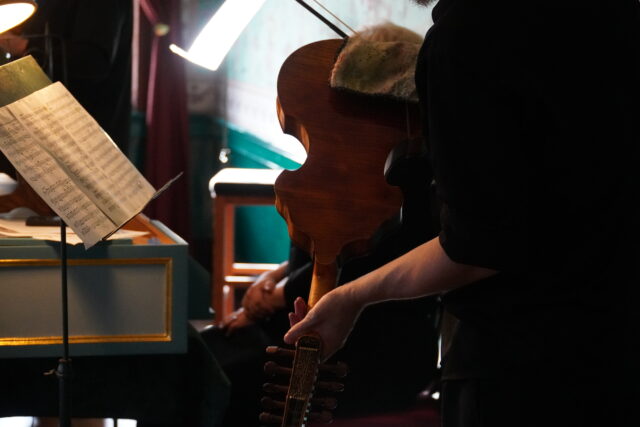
265	296
236	320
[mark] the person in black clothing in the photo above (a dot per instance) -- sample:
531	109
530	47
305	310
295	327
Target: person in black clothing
531	117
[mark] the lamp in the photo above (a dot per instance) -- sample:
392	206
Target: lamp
220	33
15	12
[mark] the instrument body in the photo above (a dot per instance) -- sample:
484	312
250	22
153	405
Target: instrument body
339	197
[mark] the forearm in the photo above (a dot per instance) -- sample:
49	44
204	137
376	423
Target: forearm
426	270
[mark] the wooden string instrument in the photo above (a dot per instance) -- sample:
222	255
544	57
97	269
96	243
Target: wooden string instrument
338	198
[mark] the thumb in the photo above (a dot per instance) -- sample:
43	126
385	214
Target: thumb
296	331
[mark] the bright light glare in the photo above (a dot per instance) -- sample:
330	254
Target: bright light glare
16	422
216	38
13	14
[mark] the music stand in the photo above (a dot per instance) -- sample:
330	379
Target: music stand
63	371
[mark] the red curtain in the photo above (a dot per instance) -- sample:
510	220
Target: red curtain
161	95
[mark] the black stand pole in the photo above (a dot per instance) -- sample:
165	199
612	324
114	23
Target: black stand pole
63	372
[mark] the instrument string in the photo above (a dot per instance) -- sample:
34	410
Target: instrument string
354	32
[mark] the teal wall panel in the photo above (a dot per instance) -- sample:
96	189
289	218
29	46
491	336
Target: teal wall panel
261	233
249	151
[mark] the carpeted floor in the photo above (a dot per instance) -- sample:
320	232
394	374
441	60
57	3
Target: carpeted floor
424	414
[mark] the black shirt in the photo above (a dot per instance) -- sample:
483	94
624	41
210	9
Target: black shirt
531	116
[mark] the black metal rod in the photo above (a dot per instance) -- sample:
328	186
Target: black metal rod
65	299
63	372
48	47
323	19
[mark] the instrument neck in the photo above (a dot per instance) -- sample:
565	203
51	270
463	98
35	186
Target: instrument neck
323	280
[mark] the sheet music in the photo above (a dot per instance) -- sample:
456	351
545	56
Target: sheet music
89	155
50	181
72	163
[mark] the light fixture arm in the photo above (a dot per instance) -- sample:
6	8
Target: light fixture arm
323	19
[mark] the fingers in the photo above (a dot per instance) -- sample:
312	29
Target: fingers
230	319
332	318
298	325
253	312
300	309
256	299
258	310
268	285
237	320
293	319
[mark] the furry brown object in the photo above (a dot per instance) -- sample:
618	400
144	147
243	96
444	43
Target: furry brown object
380	60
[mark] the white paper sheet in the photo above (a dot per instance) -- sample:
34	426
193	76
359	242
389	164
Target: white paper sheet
72	163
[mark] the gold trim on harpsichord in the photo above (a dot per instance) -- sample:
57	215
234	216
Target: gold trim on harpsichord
89	339
82	339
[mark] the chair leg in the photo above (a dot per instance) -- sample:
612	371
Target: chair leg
217	274
223	255
229	300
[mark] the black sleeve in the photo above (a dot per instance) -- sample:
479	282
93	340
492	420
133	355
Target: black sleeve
516	111
477	144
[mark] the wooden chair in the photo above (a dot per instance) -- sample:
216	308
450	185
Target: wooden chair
232	187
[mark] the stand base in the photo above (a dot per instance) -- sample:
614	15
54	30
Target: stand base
63	372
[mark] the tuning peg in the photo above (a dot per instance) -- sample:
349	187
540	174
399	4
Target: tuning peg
279	351
339	369
271	404
330	386
274	388
268	418
325	417
272	369
325	402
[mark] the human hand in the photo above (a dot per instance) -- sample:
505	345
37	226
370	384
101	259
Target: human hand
265	295
236	320
332	318
300	309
